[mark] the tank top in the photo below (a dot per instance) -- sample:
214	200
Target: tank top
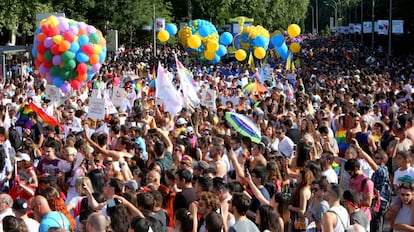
342	218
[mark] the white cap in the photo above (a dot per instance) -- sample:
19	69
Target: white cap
23	156
181	121
189	130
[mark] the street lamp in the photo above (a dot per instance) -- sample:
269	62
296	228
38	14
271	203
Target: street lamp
313	18
335	7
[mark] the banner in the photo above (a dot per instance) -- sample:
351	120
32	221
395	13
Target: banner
159	24
367	27
118	96
351	28
208	99
357	28
383	27
268	72
52	93
398	26
96	110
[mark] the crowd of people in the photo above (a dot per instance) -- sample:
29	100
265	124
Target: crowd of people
336	143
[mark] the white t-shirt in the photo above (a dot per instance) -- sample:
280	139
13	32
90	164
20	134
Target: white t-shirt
331	176
32	225
403	176
286	147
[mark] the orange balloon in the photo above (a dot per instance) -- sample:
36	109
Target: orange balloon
102	42
40	57
41	37
99	33
82	32
93	59
82	77
64	46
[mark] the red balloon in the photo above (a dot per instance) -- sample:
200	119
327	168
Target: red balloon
87	49
37	63
40	48
68	36
46	28
55	49
82	68
75	84
82	77
47	64
53	31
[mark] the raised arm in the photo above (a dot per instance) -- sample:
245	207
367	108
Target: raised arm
256	190
165	139
365	156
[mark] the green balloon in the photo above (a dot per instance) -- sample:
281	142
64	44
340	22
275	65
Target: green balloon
73	74
94	38
64	74
54	71
73	24
48	56
89	67
69	65
66	56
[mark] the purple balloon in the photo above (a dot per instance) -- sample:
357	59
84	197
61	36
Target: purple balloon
49	78
74	30
96	67
63	24
66	87
90	29
82	25
43	69
48	42
57	60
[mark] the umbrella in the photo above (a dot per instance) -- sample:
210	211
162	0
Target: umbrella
244	126
255	87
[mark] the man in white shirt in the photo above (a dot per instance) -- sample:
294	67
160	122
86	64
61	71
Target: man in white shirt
6	203
326	161
20	208
286	145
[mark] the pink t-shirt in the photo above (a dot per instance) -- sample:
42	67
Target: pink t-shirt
356	184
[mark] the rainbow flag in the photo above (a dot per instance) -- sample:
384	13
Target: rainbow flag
340	137
23	115
348	56
153	73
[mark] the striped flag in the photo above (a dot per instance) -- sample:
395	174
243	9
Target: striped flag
187	84
251	63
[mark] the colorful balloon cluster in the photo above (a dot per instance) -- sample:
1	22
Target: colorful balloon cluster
200	38
278	41
68	53
165	34
253	39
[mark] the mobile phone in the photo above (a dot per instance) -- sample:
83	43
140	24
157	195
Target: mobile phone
111	203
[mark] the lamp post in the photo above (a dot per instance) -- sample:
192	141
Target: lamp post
335	7
372	25
390	30
317	18
313	18
362	22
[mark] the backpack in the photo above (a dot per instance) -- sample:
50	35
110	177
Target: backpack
15	139
382	193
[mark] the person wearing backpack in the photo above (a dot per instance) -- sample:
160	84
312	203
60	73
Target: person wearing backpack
382	186
361	184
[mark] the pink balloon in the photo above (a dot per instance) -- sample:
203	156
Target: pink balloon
90	29
57	60
74	30
48	42
66	87
82	25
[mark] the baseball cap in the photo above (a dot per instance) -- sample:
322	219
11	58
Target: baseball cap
20	205
132	185
181	121
189	130
23	156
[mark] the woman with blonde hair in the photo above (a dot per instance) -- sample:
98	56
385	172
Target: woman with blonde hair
74	204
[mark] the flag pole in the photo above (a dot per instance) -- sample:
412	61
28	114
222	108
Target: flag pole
154	28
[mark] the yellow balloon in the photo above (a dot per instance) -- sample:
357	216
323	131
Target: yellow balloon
209	55
163	36
212	46
293	30
97	48
259	53
53	21
240	55
294	47
57	39
43	21
194	41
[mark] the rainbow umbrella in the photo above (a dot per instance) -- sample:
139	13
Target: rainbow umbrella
244	126
255	87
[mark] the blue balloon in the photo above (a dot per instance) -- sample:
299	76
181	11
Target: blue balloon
102	57
171	28
74	47
34	52
204	30
260	41
83	39
82	57
237	42
222	50
278	40
226	38
283	51
57	81
271	46
216	59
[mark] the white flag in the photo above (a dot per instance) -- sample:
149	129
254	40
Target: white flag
382	27
187	84
367	27
167	92
159	24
